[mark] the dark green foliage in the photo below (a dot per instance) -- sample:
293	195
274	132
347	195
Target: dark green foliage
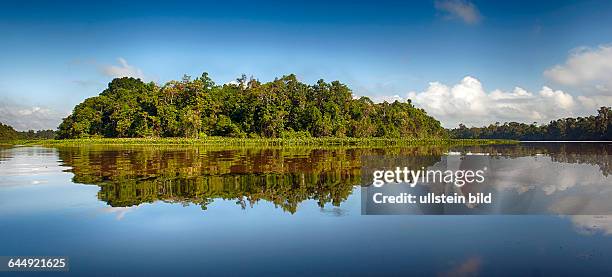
8	133
598	127
248	108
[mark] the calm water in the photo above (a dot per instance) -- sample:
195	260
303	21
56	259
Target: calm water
296	211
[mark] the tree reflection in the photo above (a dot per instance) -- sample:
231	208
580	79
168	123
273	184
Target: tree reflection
283	176
129	176
598	154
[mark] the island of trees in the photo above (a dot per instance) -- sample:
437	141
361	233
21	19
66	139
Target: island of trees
284	107
595	127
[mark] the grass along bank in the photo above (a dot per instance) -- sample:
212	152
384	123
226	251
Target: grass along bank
228	141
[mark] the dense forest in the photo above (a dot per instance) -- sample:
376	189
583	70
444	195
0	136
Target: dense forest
595	127
284	107
8	133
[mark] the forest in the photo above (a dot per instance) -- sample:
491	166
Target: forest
595	127
282	108
247	107
8	133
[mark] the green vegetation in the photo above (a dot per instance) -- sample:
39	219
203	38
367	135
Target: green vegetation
598	127
7	133
229	141
281	112
284	108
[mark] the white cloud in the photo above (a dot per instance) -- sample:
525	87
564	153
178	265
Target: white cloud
383	98
469	103
24	118
585	67
557	97
517	93
594	102
464	10
122	70
587	71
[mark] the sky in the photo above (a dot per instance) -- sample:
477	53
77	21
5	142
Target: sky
471	62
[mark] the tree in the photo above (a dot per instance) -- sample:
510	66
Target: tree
598	127
283	107
7	133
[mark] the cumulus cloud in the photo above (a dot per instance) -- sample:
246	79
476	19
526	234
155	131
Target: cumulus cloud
585	67
122	70
24	118
463	10
469	103
586	71
594	102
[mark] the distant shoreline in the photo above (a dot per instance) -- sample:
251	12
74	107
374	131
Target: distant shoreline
566	141
228	141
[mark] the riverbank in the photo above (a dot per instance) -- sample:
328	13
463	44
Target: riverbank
226	141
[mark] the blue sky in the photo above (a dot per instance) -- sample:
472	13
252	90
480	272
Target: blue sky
56	53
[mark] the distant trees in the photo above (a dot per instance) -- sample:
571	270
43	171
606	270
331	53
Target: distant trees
284	107
598	127
40	134
8	133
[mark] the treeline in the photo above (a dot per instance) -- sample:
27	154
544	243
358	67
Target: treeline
595	127
7	132
284	107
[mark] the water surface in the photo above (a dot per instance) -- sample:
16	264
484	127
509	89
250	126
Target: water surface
198	210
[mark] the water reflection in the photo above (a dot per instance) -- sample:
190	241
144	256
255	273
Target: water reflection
75	220
4	154
531	178
31	163
129	176
598	154
285	177
566	178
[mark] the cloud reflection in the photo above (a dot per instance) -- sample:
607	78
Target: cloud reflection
118	211
591	225
469	267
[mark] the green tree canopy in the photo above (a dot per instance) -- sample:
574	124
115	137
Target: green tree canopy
284	107
595	127
7	132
